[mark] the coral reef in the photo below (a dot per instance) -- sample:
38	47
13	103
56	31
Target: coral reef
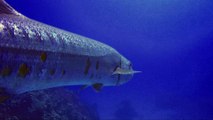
50	104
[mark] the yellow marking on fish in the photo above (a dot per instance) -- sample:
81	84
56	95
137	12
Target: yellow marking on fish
23	70
6	71
43	56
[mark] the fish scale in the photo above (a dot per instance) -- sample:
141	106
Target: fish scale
46	39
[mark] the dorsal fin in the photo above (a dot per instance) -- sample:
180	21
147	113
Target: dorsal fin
7	9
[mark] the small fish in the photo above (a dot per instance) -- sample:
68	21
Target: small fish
124	71
36	56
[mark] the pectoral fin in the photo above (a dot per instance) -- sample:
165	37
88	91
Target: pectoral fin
97	86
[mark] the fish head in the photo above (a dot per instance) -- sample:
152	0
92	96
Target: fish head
124	71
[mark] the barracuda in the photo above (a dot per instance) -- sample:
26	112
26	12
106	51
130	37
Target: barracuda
36	56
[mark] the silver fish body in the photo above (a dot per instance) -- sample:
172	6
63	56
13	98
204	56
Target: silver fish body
36	56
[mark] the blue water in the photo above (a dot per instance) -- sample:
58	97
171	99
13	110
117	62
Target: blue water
169	40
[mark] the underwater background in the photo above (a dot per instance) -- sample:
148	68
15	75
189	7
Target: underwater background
170	41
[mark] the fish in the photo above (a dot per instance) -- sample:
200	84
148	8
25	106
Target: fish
35	56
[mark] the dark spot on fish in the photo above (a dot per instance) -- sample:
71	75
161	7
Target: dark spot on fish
88	64
43	56
63	72
97	65
83	87
23	70
6	71
52	71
